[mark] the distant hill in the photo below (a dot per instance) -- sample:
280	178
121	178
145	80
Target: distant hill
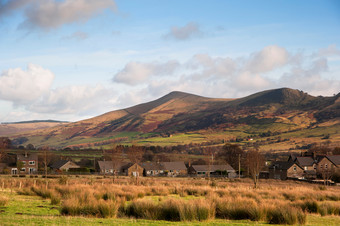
13	128
179	112
35	121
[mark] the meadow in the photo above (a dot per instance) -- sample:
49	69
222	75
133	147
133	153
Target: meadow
92	200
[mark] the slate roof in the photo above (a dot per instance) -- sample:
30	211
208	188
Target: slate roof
334	159
174	166
283	165
305	161
151	166
107	165
30	156
60	163
212	168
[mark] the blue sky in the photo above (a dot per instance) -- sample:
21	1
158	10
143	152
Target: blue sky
70	60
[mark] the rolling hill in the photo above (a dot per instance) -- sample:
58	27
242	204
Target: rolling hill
279	110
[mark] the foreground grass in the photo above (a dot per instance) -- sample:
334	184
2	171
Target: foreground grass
189	197
33	210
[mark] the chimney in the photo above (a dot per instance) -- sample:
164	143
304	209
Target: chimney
25	154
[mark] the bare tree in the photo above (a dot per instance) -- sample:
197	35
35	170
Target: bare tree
135	154
45	158
255	162
116	159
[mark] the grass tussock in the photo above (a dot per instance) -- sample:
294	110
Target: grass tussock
3	201
183	199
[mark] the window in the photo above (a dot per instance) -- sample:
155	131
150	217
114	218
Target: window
294	168
23	169
306	167
23	162
325	166
31	162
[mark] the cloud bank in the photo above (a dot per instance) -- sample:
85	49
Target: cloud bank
51	14
233	77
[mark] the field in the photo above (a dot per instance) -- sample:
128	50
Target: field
153	201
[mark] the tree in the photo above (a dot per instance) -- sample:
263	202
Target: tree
135	154
233	155
45	158
116	158
255	161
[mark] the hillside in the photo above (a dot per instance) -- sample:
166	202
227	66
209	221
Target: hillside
279	110
13	128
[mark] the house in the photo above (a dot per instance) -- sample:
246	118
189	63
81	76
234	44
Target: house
286	170
174	168
307	163
152	168
109	167
132	169
63	165
29	163
309	166
204	170
328	163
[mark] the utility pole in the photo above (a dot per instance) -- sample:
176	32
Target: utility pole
239	166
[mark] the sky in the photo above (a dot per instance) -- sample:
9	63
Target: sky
75	59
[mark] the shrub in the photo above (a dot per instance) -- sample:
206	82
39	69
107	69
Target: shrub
143	209
63	180
329	208
3	201
101	208
285	215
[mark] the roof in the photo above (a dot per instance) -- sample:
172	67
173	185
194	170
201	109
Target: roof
60	163
174	166
335	159
305	161
151	166
28	156
212	168
107	165
283	165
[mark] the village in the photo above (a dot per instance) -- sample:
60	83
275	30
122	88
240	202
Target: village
309	167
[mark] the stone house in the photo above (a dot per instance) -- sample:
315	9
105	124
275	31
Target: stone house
328	163
174	168
152	169
286	170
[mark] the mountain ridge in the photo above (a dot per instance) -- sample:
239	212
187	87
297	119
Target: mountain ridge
185	112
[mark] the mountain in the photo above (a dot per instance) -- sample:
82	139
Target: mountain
178	112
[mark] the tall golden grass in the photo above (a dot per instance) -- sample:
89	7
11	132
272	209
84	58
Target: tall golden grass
184	199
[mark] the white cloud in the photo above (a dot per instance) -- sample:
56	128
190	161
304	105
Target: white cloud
21	86
188	31
135	73
268	59
331	50
49	14
72	100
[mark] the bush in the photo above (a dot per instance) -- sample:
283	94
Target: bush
285	215
3	201
101	208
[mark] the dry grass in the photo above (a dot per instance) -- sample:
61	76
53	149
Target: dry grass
184	199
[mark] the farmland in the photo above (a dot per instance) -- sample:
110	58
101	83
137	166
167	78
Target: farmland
100	200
